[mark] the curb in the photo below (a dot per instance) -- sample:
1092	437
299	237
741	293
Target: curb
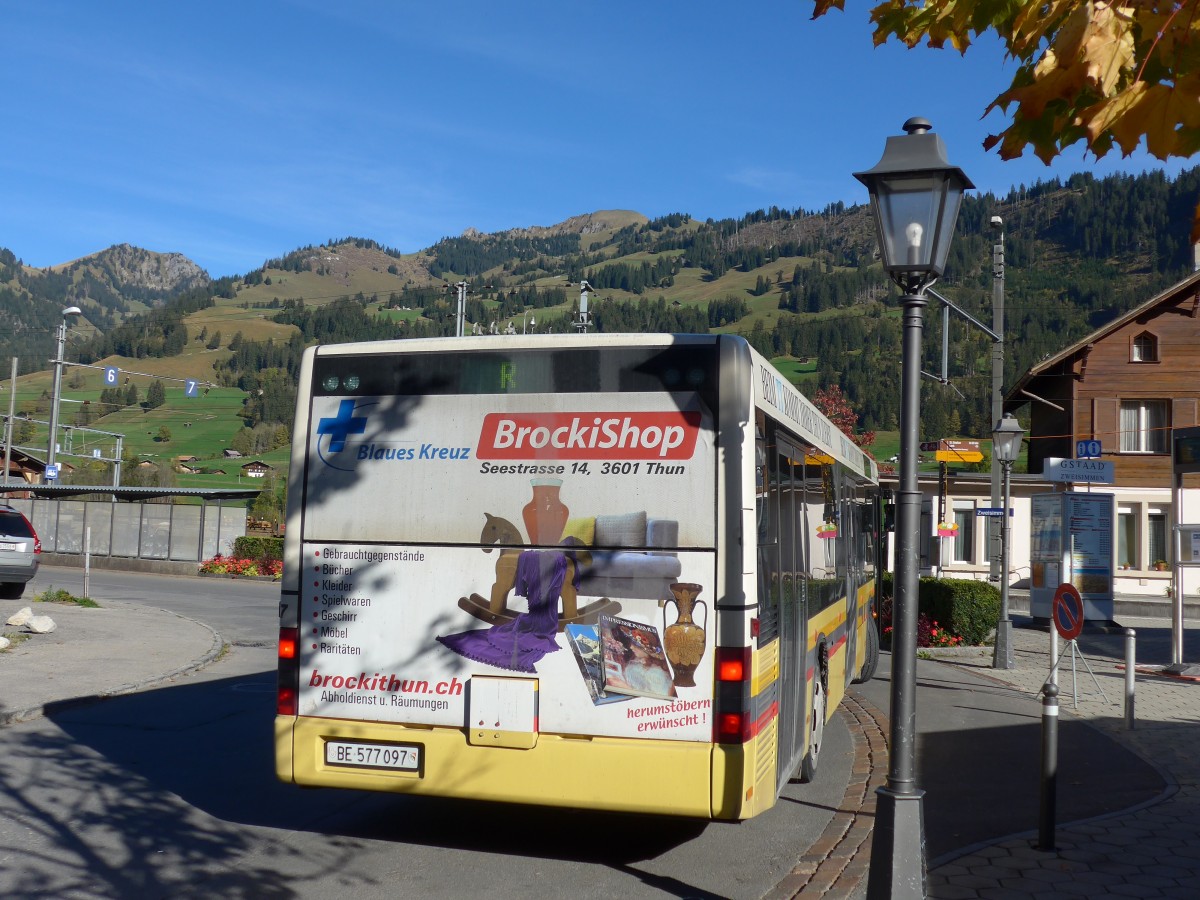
215	650
275	578
835	866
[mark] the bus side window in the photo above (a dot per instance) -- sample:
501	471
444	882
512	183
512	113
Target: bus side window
767	538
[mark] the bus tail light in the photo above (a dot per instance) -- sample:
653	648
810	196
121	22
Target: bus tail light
733	663
288	685
287	642
733	723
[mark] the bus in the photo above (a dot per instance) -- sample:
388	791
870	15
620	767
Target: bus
622	572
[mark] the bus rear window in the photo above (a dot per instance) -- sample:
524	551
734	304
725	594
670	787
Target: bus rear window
683	367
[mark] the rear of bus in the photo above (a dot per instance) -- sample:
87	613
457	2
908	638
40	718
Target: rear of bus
506	574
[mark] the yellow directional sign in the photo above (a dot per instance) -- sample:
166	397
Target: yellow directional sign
958	456
959	451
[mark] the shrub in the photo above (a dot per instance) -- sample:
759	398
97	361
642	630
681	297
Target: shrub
263	549
969	610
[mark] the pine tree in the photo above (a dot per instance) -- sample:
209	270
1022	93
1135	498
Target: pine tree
156	395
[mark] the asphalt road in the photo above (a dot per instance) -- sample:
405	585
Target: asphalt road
171	792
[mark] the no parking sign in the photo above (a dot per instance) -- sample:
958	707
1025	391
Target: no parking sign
1067	612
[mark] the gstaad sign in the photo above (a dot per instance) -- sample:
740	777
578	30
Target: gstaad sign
1094	471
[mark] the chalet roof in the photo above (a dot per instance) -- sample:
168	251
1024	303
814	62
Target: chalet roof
22	460
1015	395
257	462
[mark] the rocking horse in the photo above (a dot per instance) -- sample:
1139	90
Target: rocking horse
501	532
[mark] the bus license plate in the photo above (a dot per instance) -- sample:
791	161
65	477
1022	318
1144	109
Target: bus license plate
406	757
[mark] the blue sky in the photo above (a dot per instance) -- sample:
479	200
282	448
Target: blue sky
233	132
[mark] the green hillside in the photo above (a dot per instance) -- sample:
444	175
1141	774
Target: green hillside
804	287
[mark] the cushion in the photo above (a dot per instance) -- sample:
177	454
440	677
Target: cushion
662	533
628	530
583	530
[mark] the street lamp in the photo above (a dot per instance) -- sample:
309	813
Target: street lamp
915	198
52	445
532	323
994	527
1006	446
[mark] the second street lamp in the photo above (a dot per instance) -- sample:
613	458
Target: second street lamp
1006	447
915	196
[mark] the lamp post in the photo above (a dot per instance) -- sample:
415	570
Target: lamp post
995	547
52	444
532	321
1006	446
915	198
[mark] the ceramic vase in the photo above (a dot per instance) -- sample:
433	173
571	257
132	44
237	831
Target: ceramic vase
684	639
545	515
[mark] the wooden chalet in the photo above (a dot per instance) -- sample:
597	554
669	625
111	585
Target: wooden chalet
1125	385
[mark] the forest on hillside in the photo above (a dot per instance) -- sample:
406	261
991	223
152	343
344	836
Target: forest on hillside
1078	253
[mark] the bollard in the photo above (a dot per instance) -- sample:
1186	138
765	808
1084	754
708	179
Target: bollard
1049	787
1130	673
1053	656
87	561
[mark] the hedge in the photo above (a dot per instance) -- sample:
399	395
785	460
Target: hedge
963	606
264	549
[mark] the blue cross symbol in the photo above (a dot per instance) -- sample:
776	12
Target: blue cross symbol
344	424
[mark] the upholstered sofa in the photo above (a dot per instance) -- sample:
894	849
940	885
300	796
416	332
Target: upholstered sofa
613	564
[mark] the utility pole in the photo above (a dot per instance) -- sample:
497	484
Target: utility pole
117	464
995	526
461	319
52	444
584	320
8	424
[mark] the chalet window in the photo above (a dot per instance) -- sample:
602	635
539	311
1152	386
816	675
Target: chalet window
1143	536
964	541
1145	348
1145	426
1127	543
1156	527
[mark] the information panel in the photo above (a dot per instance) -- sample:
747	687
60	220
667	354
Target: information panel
1072	543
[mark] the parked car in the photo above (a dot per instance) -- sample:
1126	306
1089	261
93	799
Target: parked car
20	552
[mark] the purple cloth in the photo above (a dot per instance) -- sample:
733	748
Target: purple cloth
518	644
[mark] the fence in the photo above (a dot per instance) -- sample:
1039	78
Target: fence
159	531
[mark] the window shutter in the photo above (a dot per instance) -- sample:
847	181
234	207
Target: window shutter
1183	412
1104	423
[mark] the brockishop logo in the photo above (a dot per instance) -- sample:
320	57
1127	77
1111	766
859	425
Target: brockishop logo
605	435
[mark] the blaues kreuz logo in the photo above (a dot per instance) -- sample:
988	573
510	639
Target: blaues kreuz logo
337	429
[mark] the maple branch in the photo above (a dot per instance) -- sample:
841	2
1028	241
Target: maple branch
1158	35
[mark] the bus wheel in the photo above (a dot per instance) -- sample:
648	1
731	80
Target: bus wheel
816	731
871	661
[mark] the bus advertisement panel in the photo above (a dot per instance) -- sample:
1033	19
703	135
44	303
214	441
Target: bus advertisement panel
560	538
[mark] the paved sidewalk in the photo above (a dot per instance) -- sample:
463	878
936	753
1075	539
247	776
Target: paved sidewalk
90	654
1152	850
